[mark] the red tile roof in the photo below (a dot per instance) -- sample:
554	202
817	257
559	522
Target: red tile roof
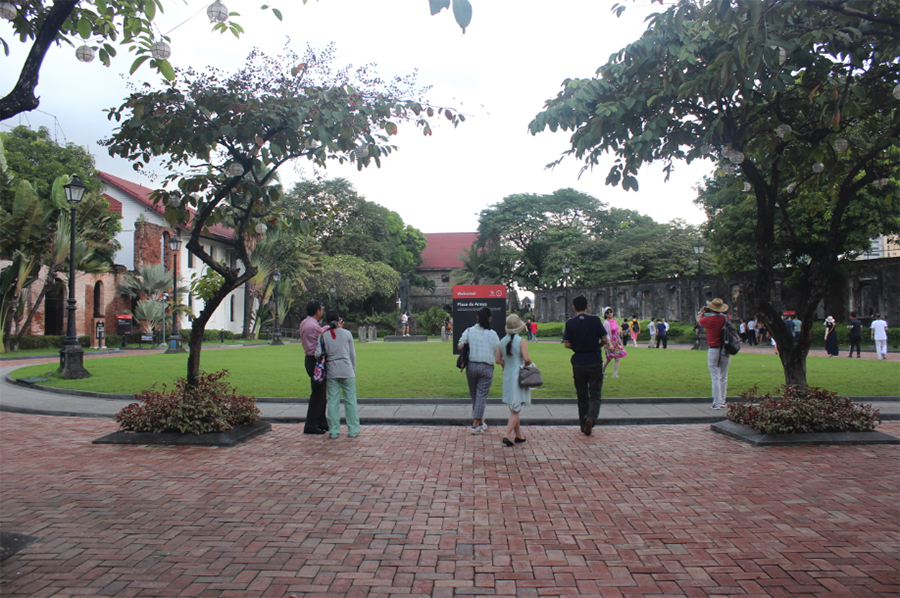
443	248
142	195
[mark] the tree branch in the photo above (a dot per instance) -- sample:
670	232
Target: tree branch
22	98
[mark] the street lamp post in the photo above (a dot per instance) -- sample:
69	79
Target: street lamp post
566	271
175	345
699	336
276	334
71	356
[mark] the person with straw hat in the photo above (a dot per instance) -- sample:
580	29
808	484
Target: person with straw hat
512	354
712	318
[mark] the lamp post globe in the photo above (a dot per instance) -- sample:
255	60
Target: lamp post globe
565	271
71	356
175	345
276	334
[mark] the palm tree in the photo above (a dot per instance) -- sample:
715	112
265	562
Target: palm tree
480	266
150	280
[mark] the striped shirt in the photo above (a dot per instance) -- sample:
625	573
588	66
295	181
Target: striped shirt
482	343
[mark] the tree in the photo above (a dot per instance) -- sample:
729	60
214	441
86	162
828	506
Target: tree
795	96
125	23
345	223
479	266
224	137
356	282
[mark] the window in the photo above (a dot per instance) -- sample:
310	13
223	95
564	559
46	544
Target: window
190	259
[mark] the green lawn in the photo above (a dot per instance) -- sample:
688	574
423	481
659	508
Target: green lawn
428	370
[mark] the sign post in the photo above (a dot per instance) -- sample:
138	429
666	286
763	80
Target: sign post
468	299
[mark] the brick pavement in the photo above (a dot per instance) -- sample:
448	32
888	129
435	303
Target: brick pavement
435	511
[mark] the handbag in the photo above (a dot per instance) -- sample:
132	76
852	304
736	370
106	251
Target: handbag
319	373
530	376
462	361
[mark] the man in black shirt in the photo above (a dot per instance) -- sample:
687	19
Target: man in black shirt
855	333
586	336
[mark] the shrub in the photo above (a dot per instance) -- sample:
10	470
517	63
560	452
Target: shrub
550	329
431	321
213	406
802	411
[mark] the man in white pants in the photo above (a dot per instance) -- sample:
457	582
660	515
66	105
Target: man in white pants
712	318
878	332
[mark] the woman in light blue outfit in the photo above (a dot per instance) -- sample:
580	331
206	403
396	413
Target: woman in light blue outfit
512	354
340	368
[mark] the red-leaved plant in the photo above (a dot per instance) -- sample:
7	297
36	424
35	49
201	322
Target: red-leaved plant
211	406
802	411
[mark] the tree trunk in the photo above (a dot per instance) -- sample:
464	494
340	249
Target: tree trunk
198	327
248	312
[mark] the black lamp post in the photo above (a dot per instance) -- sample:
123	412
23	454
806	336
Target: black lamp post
699	247
699	337
276	335
566	271
71	356
175	345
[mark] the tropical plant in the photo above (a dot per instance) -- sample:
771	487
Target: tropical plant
150	313
150	281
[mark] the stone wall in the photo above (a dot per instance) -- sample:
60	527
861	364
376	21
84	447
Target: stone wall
870	286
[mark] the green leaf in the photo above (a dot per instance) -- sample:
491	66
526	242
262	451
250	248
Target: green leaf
277	14
84	28
462	12
166	69
137	63
438	5
150	9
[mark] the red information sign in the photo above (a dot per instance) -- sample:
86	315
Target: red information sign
468	299
479	291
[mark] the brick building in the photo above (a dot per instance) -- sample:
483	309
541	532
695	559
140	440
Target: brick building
439	258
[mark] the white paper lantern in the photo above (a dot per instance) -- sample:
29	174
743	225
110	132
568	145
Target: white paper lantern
882	182
841	144
736	157
747	187
160	50
8	11
728	169
782	130
897	91
261	228
791	187
818	168
706	148
362	152
235	169
217	12
174	201
84	53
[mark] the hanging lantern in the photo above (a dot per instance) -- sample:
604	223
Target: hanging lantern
747	187
897	91
782	130
217	12
174	201
706	148
235	169
728	169
736	157
8	11
84	53
881	182
791	187
161	50
841	145
362	152
726	150
782	55
818	168
261	228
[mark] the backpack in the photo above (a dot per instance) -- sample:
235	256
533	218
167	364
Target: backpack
731	338
635	326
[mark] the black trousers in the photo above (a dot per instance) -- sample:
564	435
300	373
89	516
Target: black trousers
664	340
315	412
854	342
588	386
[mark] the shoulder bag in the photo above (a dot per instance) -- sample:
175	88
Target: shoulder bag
319	374
530	376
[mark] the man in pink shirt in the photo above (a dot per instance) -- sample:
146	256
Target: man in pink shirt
310	331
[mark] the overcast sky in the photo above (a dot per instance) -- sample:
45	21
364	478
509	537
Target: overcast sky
513	57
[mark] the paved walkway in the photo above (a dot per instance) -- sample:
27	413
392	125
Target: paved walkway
429	511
